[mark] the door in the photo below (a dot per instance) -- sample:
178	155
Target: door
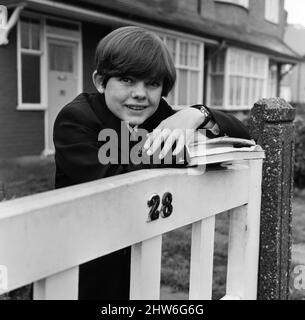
62	81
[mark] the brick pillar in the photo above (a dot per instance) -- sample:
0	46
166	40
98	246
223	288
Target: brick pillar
271	125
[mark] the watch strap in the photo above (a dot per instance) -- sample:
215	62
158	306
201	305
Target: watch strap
202	108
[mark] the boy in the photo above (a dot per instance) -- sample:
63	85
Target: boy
134	70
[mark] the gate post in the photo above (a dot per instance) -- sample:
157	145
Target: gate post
2	191
271	125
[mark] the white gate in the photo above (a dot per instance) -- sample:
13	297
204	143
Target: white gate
45	237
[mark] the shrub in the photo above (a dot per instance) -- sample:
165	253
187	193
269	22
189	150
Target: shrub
299	164
300	108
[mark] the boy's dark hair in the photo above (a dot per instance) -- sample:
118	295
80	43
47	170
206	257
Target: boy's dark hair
134	51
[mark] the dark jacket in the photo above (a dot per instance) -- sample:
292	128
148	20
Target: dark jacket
76	131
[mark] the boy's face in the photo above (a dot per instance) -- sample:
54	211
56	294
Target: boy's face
132	99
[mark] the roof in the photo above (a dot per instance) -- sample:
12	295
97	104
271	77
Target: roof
164	13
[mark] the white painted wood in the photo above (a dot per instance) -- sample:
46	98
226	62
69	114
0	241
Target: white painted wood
62	85
201	76
226	85
236	250
230	298
146	269
60	286
202	254
77	78
243	252
253	229
75	36
43	103
45	229
51	232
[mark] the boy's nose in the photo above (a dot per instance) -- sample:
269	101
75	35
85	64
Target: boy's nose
139	91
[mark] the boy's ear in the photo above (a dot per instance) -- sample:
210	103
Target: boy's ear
98	82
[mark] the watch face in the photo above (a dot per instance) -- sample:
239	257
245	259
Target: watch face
205	111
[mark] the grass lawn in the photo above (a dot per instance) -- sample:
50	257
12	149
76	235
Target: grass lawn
28	175
298	240
176	259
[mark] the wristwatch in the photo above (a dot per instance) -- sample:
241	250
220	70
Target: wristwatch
207	114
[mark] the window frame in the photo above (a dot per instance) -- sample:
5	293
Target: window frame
272	79
227	74
239	3
217	73
43	52
20	51
269	16
178	66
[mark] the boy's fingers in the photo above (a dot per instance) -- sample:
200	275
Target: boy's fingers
157	141
168	144
148	141
150	138
180	145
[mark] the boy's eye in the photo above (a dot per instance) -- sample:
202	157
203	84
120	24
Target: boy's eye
126	79
155	84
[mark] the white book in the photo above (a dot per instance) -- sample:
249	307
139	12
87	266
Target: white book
223	149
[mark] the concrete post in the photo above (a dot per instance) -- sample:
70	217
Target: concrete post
2	191
271	125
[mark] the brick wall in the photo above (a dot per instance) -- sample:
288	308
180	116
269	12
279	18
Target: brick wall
91	34
250	20
21	132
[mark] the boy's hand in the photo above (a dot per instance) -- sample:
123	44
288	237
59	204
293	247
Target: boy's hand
178	128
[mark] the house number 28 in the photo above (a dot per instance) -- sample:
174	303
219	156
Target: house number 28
166	206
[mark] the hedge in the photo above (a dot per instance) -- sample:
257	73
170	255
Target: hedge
299	163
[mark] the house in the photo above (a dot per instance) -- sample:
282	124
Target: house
228	54
293	84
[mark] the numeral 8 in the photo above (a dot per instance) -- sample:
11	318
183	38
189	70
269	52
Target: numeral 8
167	208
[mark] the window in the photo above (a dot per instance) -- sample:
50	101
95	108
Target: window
32	58
243	3
199	6
29	59
238	78
217	79
272	80
272	10
188	59
247	77
61	58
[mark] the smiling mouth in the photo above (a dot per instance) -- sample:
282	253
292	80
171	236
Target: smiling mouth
135	107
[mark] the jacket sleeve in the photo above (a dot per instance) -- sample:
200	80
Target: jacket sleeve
77	146
229	125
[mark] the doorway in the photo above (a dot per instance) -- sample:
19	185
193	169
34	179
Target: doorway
63	81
